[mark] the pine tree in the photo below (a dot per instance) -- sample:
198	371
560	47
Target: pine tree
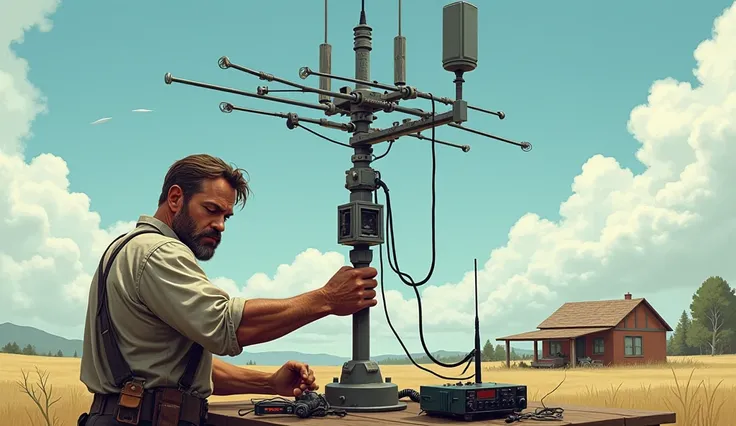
487	352
679	341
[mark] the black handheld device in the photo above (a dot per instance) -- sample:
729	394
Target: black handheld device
309	404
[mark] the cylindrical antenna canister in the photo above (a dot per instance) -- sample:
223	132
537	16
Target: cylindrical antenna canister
325	66
400	60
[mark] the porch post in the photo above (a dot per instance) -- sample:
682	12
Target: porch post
508	354
535	358
573	358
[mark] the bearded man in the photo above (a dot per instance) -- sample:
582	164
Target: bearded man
154	319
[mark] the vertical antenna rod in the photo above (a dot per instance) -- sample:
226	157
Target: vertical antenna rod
477	328
325	64
361	255
360	224
399	56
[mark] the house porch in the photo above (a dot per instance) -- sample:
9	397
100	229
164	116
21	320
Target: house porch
557	334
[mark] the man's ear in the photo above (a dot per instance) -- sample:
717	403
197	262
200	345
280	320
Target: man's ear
175	198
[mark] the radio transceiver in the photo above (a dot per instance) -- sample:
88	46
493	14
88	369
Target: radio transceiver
473	401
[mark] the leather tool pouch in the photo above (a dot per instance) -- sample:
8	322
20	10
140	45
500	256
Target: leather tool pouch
167	408
130	402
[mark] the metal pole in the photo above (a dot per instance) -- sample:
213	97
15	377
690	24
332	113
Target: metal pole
361	386
361	255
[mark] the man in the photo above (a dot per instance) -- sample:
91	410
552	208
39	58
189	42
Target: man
153	324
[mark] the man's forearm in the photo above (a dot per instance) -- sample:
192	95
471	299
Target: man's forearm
268	319
229	379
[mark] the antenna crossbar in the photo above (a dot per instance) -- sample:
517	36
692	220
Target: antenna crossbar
525	146
292	118
458	114
326	108
224	63
464	148
403	92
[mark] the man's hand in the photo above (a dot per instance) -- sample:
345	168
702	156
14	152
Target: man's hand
292	379
351	290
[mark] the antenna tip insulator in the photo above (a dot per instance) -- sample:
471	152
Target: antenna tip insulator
304	72
465	148
167	78
501	115
224	62
226	107
526	146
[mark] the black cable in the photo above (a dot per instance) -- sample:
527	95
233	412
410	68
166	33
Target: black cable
544	413
390	228
396	334
409	280
411	393
378	157
323	136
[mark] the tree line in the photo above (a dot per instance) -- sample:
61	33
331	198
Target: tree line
709	328
488	353
14	348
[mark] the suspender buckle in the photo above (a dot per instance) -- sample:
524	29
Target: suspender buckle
130	402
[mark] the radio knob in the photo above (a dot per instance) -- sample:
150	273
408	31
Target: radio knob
521	402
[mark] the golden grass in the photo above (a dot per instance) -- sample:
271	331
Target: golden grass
696	388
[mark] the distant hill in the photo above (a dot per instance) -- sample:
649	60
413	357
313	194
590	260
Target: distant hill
42	341
45	342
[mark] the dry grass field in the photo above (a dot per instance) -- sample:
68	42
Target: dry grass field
701	390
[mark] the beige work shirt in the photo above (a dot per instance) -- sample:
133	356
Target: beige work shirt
160	301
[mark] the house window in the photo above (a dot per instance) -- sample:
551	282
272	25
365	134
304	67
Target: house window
598	346
555	348
632	346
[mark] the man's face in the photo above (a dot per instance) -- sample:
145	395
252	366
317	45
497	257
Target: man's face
201	221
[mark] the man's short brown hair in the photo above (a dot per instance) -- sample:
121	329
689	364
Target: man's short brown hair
191	171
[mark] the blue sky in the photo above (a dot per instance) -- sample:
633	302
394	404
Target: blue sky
567	75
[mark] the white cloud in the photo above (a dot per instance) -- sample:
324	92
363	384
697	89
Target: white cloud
142	110
101	120
50	239
667	227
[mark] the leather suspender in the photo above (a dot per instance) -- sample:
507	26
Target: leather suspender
132	387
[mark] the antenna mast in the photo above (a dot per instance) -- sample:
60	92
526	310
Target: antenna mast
361	386
478	368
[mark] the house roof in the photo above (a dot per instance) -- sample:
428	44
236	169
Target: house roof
554	333
602	313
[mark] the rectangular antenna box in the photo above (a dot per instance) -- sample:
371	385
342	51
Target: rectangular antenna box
472	401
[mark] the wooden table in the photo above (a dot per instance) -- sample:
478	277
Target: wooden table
226	414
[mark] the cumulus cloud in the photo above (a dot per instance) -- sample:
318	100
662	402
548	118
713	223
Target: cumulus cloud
669	226
50	240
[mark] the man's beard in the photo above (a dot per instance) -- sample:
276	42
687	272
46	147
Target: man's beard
186	229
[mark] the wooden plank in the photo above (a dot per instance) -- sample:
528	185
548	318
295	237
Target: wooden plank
226	414
633	417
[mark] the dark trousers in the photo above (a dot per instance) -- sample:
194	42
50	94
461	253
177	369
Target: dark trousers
109	420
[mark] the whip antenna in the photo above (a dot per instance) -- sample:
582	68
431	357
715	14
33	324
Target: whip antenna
325	65
399	55
477	328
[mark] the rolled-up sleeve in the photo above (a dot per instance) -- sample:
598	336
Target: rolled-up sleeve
174	287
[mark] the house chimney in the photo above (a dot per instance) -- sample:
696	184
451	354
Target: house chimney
627	296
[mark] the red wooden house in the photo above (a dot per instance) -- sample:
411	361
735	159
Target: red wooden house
609	332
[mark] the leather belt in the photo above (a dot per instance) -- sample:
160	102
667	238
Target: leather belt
193	409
